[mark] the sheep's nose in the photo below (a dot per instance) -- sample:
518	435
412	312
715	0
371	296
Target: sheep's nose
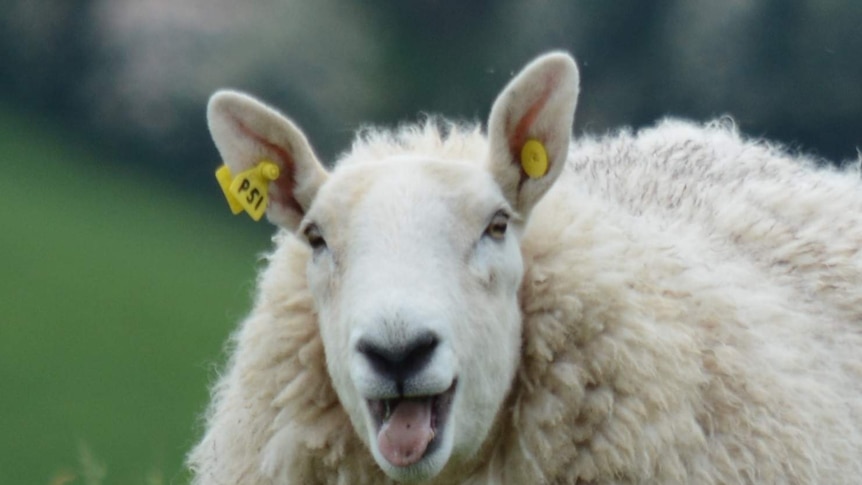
401	362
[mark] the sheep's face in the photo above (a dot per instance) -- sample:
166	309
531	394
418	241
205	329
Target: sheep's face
415	273
416	264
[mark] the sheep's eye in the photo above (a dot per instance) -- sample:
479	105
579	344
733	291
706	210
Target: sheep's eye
499	223
312	235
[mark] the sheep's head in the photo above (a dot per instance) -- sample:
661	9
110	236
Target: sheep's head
415	264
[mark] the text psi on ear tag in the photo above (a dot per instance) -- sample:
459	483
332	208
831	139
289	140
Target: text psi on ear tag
249	190
534	159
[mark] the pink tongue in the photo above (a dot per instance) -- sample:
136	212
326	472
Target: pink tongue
404	437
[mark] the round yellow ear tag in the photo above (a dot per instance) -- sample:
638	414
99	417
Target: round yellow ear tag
534	159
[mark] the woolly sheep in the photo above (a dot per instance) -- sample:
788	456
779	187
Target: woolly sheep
677	305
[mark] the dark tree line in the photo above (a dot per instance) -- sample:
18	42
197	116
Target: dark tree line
138	79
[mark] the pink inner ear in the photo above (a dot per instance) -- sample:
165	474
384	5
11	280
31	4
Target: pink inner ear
286	181
519	135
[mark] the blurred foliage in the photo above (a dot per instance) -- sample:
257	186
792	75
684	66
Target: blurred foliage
126	270
136	73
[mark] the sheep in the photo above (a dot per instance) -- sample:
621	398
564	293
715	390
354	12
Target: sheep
674	305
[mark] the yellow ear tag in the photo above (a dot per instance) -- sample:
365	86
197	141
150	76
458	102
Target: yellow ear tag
224	178
534	159
249	190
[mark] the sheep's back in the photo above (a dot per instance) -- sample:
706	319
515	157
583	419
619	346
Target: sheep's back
692	296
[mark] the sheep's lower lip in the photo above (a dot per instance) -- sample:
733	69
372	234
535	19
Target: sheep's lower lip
437	404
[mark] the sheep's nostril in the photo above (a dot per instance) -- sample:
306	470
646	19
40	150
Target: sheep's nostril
401	362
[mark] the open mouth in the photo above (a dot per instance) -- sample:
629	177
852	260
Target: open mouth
408	428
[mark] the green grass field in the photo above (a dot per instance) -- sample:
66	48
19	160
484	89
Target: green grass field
116	297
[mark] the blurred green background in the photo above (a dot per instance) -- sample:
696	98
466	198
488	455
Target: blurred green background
123	272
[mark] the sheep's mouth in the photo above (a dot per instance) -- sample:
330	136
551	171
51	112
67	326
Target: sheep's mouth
409	428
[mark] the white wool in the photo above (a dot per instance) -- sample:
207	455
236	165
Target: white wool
691	312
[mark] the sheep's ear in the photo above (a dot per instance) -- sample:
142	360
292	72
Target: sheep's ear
536	109
247	132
